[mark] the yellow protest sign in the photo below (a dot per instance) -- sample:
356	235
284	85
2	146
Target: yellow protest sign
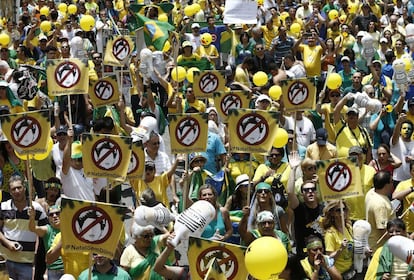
118	49
224	101
208	82
104	91
299	94
137	161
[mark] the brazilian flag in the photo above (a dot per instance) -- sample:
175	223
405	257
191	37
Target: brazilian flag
155	32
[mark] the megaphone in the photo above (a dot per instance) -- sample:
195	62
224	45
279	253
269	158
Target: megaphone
157	216
402	247
361	230
192	221
371	104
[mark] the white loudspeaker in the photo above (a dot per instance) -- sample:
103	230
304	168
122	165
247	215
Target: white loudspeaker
402	248
146	67
361	230
193	220
157	216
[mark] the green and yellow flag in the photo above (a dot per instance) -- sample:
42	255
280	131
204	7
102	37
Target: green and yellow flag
137	161
208	82
188	133
155	32
67	76
88	226
299	94
339	178
27	132
104	91
252	131
229	259
106	156
224	101
118	50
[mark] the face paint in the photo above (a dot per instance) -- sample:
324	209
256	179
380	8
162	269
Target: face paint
406	130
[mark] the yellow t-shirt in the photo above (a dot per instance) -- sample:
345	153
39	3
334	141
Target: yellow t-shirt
328	110
158	185
346	139
356	204
210	51
311	59
333	241
283	169
406	202
269	35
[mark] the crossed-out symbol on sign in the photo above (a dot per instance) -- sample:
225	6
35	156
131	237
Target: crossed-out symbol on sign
67	74
92	225
230	101
133	163
187	131
225	258
298	92
338	176
252	129
106	154
121	49
26	132
104	90
208	83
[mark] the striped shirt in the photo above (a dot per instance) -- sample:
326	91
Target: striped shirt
16	228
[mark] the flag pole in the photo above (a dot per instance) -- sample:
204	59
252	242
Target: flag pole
29	179
249	187
185	183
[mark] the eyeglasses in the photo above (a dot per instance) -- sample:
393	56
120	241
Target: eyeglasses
275	155
263	191
54	213
259	49
311	168
339	209
4	50
266	222
308	190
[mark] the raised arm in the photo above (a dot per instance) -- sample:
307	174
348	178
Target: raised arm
294	161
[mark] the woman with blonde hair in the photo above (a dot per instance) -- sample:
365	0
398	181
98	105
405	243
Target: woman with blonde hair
339	237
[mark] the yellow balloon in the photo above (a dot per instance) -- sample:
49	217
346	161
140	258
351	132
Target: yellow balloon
260	78
72	9
87	22
275	92
189	11
265	258
45	26
333	81
4	39
333	14
44	11
163	18
178	73
295	27
283	15
281	139
260	2
190	74
62	7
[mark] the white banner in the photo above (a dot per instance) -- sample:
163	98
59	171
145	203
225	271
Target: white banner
240	12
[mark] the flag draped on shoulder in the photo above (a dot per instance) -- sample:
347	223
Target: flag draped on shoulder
67	76
229	259
104	91
137	161
155	32
27	132
208	82
188	132
299	94
106	155
252	131
339	178
225	101
88	226
118	50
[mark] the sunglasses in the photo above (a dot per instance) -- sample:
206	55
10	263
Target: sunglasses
54	213
4	50
259	49
64	47
308	190
263	191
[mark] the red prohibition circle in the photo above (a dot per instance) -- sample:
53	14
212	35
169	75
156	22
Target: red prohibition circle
69	67
114	147
231	257
33	122
241	123
103	216
330	184
192	122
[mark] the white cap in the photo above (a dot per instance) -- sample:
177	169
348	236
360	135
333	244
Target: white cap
195	25
361	34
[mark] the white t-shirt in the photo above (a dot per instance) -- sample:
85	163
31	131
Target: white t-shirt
401	150
305	131
76	185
